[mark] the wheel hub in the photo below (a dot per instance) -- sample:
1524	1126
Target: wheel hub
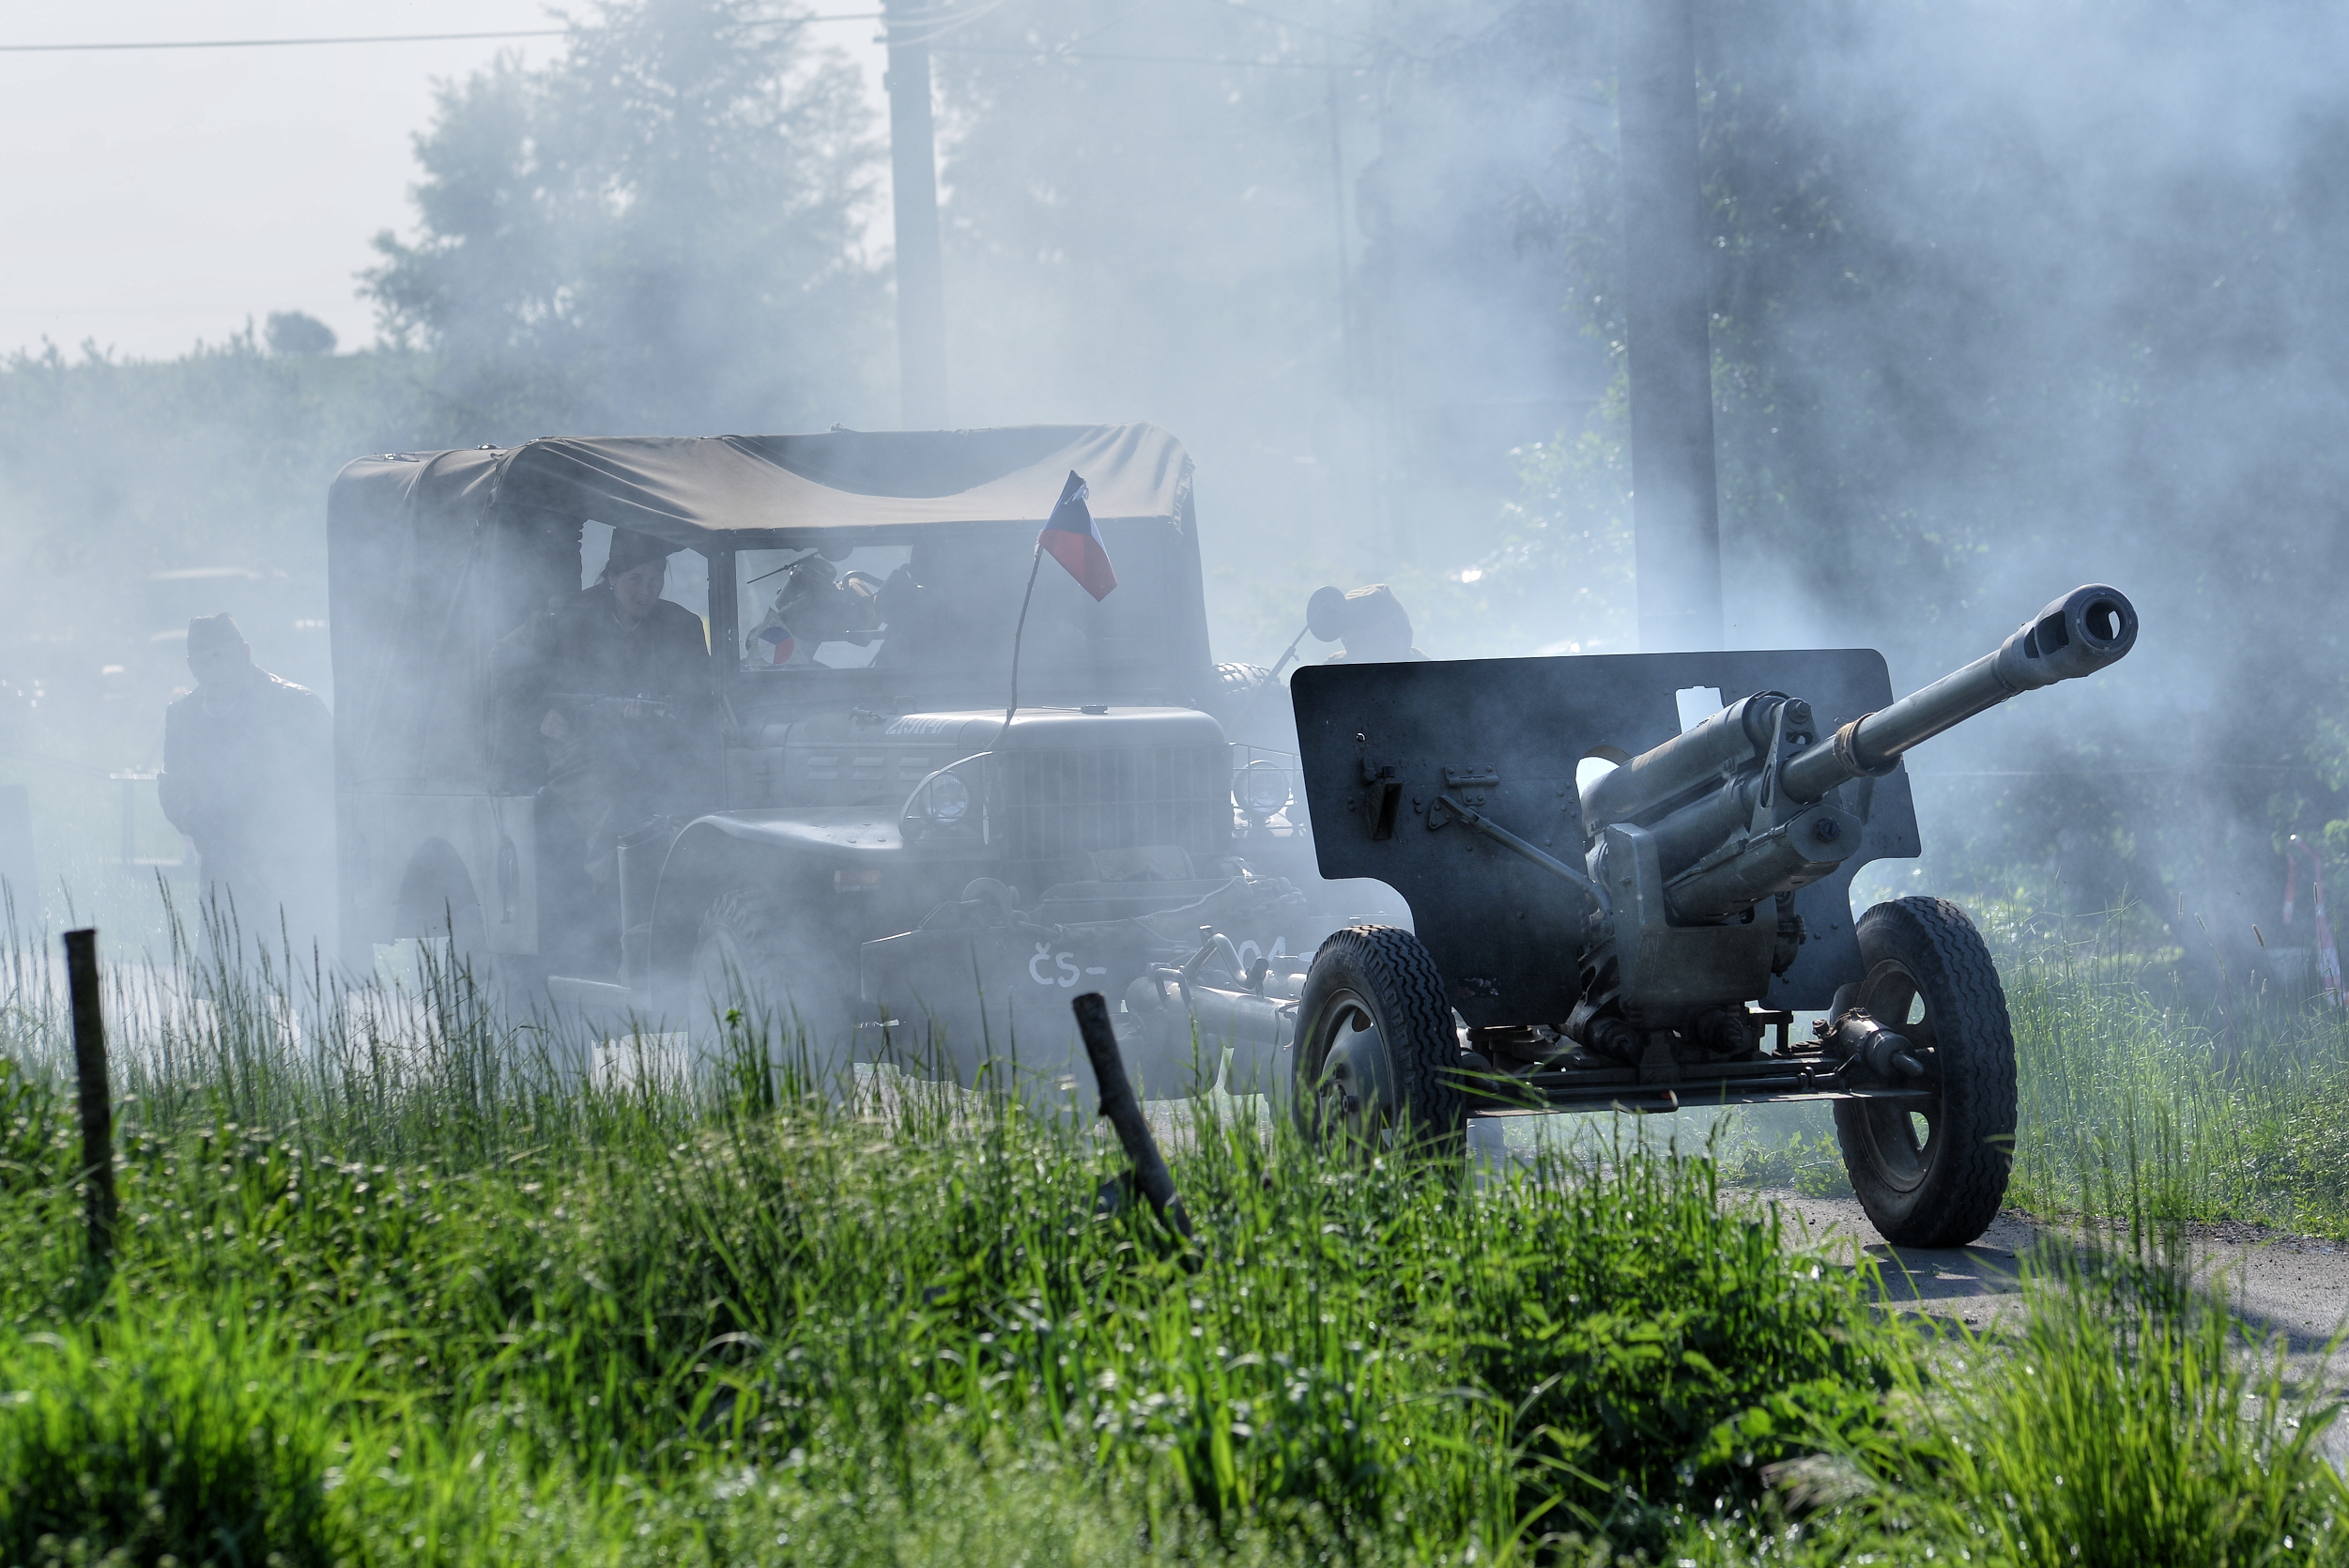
1903	1138
1355	1090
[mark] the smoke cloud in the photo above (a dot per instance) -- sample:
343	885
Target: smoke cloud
2008	298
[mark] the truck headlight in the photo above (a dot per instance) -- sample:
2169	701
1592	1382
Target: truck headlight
1262	789
952	800
945	799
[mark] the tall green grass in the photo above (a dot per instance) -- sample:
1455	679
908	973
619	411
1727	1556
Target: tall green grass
2113	1049
461	1296
2128	1422
2255	1092
399	1280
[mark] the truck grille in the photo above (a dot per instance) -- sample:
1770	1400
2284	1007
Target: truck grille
1063	803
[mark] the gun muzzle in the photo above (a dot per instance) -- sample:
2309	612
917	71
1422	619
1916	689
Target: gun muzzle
2076	634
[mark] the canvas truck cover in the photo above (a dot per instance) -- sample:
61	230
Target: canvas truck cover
433	557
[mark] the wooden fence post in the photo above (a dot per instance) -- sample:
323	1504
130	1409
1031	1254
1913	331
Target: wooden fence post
1124	1110
97	1101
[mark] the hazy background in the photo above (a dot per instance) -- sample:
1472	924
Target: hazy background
2009	297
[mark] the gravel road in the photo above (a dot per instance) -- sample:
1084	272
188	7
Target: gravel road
2292	1286
2292	1290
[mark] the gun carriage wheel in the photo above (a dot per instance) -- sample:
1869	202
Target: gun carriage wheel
1377	1054
1933	1173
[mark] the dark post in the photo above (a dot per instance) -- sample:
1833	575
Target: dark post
96	1104
1676	543
1124	1111
914	195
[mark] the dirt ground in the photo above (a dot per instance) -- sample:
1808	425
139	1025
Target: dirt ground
2292	1291
2294	1287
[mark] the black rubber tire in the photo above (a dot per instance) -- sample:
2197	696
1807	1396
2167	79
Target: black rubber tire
1236	681
1252	707
752	956
1396	1079
1943	1189
441	910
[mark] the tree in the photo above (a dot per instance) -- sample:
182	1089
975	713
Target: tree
297	334
660	231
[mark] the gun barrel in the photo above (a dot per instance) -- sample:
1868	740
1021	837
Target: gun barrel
2084	631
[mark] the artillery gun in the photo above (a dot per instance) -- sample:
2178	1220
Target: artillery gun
1597	928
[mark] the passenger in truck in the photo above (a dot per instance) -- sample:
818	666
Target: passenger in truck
612	691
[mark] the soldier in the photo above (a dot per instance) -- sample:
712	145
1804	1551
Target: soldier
613	689
249	776
1370	622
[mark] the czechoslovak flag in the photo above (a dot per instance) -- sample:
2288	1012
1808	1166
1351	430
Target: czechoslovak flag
1070	535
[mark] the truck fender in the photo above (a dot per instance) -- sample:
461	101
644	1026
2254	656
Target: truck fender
704	862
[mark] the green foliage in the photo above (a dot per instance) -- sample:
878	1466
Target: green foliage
655	1306
2109	1062
658	231
2242	1115
165	1434
1809	1161
1660	1349
2116	1429
296	333
477	1309
31	1130
2130	1420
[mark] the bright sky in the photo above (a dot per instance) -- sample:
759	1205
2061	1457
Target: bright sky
152	198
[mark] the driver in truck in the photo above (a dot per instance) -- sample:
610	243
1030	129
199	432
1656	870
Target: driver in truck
613	690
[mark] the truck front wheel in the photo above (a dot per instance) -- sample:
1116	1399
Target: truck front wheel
1377	1055
759	975
1933	1173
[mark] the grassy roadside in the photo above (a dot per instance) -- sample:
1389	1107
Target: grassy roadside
394	1288
2256	1102
2252	1108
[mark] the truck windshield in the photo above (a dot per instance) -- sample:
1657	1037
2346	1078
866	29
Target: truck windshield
943	604
799	608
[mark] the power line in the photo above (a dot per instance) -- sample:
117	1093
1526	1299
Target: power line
905	26
377	37
1046	55
270	44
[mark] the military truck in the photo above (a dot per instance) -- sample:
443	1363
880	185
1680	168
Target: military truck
876	850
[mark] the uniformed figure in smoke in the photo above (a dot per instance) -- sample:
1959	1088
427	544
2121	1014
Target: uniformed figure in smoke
613	690
1370	622
249	776
817	604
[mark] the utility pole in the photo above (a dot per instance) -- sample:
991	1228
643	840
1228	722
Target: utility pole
1676	514
914	190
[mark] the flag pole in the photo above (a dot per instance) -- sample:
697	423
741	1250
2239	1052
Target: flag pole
1022	630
